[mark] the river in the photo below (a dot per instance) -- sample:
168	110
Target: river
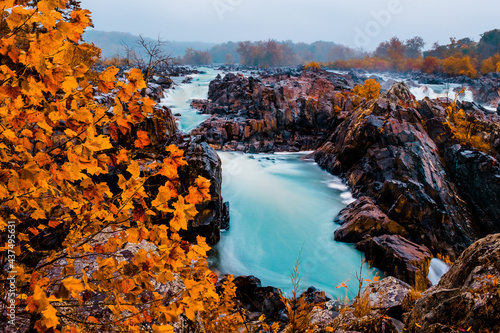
281	208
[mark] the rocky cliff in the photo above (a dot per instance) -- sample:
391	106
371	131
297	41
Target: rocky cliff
421	193
272	113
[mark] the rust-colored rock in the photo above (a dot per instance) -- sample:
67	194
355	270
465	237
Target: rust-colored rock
467	298
364	218
400	258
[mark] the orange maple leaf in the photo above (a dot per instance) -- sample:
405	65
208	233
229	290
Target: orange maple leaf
136	79
107	78
142	139
199	192
53	223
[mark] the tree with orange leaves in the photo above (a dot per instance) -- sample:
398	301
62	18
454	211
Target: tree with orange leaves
459	65
84	255
430	65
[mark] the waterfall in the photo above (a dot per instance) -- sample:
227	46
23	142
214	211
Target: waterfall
437	270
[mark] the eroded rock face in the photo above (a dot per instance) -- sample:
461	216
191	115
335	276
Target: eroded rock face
385	152
364	218
212	215
400	258
273	113
478	177
399	154
468	296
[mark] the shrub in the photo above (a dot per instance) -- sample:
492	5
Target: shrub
370	90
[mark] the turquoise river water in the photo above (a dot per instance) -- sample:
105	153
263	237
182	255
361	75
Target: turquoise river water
282	208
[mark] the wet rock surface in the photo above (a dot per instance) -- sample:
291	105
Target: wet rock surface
478	177
413	180
400	258
467	298
279	112
364	218
212	215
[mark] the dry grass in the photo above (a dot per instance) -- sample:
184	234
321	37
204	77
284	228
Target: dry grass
362	304
298	309
410	299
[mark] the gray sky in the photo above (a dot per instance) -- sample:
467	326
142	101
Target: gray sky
361	23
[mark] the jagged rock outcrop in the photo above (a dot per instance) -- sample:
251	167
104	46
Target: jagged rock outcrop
414	181
478	177
385	152
403	259
467	298
212	215
272	113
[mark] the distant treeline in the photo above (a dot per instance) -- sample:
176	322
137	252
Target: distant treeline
286	53
269	53
261	53
459	57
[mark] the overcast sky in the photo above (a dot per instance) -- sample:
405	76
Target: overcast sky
362	23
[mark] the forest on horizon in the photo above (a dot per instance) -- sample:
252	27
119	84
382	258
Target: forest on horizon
458	57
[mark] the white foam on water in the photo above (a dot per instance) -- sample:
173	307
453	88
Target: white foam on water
347	198
338	185
179	99
437	269
449	91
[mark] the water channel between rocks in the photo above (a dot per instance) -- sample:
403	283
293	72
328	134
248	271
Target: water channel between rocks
282	208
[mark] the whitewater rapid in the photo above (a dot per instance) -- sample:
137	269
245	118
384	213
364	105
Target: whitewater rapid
179	98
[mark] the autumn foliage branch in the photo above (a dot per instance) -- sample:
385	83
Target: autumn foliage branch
89	257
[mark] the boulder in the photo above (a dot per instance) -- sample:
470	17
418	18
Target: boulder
400	258
388	295
258	299
363	218
468	296
213	215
